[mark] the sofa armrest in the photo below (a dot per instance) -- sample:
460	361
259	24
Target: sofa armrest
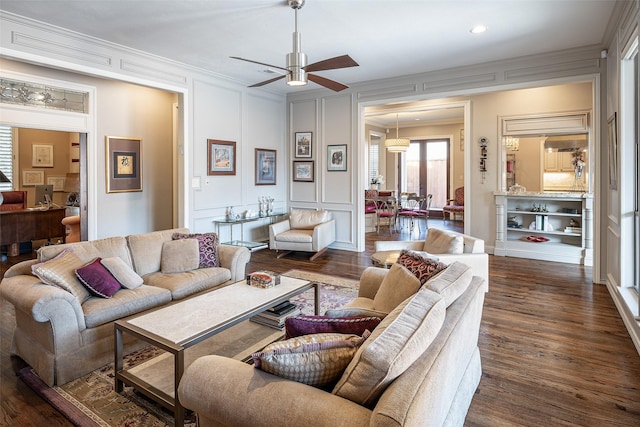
232	393
370	281
46	303
324	234
235	258
20	268
398	245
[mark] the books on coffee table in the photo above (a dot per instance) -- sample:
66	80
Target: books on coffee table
274	317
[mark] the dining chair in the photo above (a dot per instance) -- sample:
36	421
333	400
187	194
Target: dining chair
386	211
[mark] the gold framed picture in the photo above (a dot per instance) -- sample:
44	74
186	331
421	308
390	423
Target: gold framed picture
124	164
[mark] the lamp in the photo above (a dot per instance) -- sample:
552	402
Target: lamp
3	178
72	186
397	144
512	144
296	60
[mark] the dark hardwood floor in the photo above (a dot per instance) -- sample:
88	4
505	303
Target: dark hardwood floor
554	349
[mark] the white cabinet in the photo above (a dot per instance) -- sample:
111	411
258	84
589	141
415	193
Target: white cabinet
551	161
545	226
558	161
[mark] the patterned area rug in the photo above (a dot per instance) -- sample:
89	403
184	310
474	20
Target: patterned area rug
91	401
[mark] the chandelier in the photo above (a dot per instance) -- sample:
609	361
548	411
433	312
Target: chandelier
397	144
512	144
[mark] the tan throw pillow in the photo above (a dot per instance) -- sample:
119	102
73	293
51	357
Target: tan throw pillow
396	343
306	219
122	272
398	285
422	267
61	272
317	359
179	256
452	283
440	242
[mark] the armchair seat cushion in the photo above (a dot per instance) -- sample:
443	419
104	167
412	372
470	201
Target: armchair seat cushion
296	236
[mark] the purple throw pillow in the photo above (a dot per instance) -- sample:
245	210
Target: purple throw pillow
97	279
296	326
208	246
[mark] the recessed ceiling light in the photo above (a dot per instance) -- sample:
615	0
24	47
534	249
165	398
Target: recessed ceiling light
478	29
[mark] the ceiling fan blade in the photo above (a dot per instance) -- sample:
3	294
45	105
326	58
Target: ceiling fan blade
344	61
330	84
260	63
266	82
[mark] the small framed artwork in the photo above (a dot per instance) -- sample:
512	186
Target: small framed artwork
303	171
42	156
612	129
265	166
303	147
337	157
57	182
221	157
31	178
124	164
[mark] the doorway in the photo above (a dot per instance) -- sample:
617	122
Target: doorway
426	170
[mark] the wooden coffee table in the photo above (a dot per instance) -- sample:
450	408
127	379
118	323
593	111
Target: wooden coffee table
179	326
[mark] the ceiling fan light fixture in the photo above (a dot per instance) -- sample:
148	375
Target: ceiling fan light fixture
295	62
397	144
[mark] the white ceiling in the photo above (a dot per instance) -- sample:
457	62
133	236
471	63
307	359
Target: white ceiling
388	38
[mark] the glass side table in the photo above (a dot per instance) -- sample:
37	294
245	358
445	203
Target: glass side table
252	246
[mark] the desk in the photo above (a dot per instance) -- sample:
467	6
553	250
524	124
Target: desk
252	246
26	225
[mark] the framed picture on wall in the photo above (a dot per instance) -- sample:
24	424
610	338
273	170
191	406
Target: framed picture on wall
337	157
303	145
42	156
124	164
265	167
57	182
221	157
31	178
303	171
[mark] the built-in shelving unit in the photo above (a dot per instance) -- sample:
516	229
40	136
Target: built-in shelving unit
545	226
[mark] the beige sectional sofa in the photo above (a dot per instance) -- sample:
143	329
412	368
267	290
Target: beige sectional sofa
446	245
438	365
63	338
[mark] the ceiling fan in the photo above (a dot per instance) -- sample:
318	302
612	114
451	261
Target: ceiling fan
297	70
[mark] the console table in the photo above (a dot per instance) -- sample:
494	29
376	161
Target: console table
26	225
252	246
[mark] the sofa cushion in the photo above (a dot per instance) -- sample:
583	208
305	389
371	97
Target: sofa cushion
296	236
421	266
441	242
95	277
146	249
179	256
307	219
122	272
208	246
61	272
98	311
296	326
398	285
90	250
190	282
393	346
452	282
317	359
360	306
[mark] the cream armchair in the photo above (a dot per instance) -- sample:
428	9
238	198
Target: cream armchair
305	231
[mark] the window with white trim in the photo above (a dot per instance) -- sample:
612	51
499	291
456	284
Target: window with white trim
6	157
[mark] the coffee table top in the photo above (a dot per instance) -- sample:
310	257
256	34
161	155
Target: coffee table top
186	321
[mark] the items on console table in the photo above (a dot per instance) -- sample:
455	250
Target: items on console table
232	219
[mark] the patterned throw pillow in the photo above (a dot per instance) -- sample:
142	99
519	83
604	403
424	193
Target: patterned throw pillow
422	267
61	272
317	360
208	246
296	326
98	279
